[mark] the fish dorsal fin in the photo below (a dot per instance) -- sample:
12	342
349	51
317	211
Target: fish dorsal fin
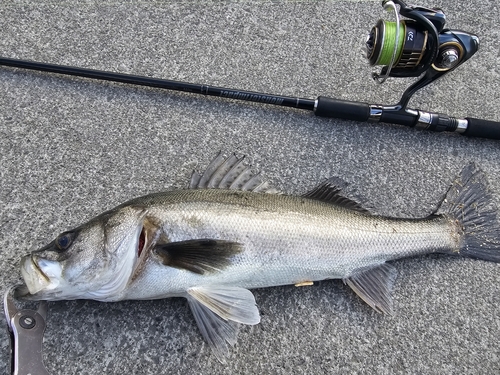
331	191
230	173
216	308
200	256
374	286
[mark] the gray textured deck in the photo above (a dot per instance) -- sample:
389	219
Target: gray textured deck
71	148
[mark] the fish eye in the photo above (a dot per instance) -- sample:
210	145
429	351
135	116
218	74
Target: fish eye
64	240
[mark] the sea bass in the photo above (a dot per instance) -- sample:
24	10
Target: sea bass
231	232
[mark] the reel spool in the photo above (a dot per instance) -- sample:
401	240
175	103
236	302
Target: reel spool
409	51
417	45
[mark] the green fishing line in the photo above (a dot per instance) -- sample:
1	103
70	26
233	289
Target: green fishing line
390	41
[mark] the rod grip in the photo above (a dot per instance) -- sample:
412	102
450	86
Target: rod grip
482	128
343	109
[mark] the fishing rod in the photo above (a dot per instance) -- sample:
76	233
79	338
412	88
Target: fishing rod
418	45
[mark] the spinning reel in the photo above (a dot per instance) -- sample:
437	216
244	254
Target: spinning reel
417	45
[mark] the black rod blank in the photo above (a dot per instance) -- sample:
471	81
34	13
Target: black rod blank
285	101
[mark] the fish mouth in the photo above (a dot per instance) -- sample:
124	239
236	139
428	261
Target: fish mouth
39	273
37	268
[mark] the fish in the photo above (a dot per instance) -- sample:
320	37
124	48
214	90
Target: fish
231	231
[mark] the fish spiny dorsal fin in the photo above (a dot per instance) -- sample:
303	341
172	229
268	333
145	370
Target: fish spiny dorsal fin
230	173
331	191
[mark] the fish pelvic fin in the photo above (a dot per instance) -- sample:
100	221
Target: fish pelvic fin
217	310
231	173
374	286
469	204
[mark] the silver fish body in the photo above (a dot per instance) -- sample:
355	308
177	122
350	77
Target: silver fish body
231	232
285	239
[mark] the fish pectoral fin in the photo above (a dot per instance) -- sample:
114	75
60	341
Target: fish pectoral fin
199	256
374	286
217	309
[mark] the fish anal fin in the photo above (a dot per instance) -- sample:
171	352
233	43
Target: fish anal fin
332	191
217	309
374	286
199	256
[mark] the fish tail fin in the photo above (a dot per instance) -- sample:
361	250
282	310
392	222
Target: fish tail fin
470	205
